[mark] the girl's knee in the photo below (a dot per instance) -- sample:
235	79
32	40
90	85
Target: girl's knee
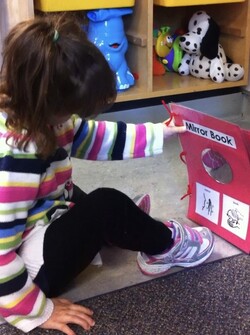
106	193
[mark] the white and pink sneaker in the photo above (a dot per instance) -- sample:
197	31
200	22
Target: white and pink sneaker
192	246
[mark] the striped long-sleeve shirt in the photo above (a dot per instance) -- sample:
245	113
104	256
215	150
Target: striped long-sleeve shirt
32	189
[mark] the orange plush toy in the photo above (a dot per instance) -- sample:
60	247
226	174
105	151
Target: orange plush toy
158	67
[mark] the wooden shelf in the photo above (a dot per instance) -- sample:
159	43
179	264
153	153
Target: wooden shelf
181	3
172	84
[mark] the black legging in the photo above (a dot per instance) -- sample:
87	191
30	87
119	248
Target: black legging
104	216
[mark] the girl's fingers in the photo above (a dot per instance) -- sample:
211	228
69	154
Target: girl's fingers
69	305
65	313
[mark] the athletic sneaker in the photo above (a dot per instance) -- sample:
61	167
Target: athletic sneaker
143	202
192	246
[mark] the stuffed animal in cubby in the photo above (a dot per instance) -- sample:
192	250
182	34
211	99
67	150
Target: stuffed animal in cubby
204	56
167	49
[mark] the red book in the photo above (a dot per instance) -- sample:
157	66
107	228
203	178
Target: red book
217	156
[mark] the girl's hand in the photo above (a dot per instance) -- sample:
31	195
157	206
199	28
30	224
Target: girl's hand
171	129
66	312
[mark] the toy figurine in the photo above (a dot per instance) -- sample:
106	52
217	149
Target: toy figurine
167	49
164	42
106	31
173	59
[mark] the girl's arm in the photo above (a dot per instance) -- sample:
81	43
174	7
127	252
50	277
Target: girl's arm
22	303
103	140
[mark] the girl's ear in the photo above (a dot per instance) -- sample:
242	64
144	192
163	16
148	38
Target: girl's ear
209	43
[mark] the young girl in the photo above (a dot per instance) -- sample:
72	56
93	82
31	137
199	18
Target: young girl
52	81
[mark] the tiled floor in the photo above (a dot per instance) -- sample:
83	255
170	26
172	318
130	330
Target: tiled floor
164	177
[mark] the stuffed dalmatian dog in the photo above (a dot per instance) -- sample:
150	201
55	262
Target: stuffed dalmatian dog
204	57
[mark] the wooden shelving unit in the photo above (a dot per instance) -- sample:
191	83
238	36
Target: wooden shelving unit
233	18
12	12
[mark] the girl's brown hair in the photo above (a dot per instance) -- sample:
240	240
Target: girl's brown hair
51	69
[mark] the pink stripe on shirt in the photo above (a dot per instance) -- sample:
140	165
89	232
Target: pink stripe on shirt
51	185
27	305
140	141
98	141
65	138
7	258
14	194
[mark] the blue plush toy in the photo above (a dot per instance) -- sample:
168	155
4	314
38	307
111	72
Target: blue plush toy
106	31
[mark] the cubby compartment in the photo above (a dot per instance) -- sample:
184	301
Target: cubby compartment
233	19
138	27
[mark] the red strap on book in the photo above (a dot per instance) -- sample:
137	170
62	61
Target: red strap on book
188	192
169	112
182	157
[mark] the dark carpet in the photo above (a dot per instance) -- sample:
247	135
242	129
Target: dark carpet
212	299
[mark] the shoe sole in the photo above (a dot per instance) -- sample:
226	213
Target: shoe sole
156	269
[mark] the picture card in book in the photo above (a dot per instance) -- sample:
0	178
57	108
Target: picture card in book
217	156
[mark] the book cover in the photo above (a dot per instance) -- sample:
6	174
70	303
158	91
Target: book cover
216	153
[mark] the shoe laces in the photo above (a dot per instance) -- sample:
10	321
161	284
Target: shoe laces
185	239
